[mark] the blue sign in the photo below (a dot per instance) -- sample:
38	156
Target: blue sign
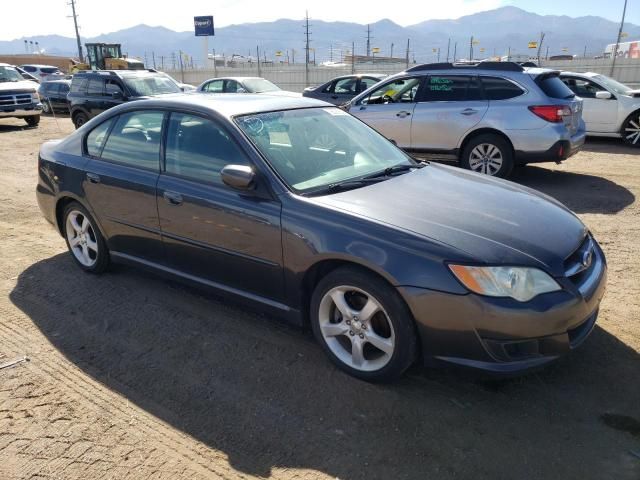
204	26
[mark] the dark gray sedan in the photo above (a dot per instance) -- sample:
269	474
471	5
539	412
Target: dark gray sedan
387	259
342	89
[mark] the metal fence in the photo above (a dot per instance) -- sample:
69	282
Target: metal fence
296	77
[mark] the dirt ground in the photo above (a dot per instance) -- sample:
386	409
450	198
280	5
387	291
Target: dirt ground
132	376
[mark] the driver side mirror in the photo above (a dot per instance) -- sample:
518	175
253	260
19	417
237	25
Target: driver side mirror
240	177
117	95
603	95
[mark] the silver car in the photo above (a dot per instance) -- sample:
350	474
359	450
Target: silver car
611	109
243	85
488	117
342	89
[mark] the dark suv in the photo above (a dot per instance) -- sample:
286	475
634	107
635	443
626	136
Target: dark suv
94	92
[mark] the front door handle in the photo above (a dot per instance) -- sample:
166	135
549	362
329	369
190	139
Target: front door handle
93	178
403	114
172	198
469	111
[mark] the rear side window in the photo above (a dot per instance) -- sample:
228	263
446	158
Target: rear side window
96	86
27	68
500	89
197	148
79	85
451	88
553	87
49	70
96	138
346	85
214	87
135	140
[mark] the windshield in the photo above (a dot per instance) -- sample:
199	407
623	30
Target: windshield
260	85
314	148
9	74
612	85
151	85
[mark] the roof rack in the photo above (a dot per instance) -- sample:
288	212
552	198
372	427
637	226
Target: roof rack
504	66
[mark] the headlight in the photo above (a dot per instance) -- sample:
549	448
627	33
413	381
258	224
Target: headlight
35	97
519	283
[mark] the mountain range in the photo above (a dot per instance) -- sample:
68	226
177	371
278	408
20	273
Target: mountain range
496	31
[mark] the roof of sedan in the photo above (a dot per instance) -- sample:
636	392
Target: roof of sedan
230	104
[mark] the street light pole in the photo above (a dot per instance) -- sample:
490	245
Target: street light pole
615	50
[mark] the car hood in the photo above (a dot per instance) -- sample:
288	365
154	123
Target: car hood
493	221
283	93
20	85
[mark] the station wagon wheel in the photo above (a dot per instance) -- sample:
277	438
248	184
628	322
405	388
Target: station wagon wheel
84	240
80	119
489	154
363	324
631	130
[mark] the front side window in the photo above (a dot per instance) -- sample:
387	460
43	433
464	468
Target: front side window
403	90
231	86
500	89
346	86
367	82
135	140
96	137
198	148
582	88
79	85
150	85
313	148
111	87
451	88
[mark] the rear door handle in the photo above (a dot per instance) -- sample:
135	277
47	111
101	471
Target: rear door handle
172	198
93	178
469	111
403	114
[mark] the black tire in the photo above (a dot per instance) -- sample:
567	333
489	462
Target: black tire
79	119
631	130
102	260
486	143
395	312
33	120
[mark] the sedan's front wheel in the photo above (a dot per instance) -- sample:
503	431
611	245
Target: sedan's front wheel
631	130
363	324
84	240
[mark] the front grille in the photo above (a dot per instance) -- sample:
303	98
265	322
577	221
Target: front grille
11	99
583	265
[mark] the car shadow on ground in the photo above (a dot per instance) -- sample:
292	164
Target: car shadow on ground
581	192
610	146
263	393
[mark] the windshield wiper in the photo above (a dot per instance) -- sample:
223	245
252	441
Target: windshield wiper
346	185
390	171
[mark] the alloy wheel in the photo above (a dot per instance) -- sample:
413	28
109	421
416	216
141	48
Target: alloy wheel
632	131
356	328
82	239
486	158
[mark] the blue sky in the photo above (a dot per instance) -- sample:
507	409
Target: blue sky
96	17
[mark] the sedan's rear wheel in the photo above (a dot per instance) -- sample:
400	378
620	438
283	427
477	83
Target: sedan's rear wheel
363	324
489	154
84	240
631	130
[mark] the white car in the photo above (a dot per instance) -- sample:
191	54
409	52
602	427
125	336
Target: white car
610	109
244	85
18	97
43	72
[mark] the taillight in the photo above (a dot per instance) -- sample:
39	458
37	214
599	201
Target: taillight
551	113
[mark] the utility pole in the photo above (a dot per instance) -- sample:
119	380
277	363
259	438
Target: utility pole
406	58
448	47
509	54
215	67
391	50
293	56
353	57
306	49
368	40
540	46
258	57
471	49
615	50
455	52
331	52
584	55
75	24
153	56
181	67
546	57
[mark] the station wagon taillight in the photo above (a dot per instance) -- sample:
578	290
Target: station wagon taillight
551	113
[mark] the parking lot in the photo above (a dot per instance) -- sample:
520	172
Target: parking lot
132	376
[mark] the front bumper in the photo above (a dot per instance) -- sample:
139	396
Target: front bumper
502	335
20	111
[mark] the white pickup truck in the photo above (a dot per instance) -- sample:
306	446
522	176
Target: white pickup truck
18	97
